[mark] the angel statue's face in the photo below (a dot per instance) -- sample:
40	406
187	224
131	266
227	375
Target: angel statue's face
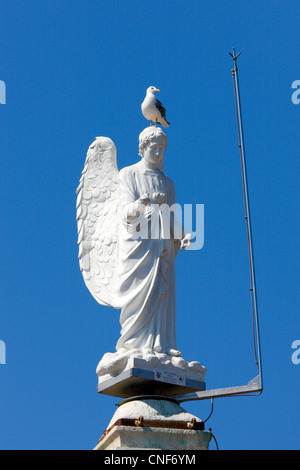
153	153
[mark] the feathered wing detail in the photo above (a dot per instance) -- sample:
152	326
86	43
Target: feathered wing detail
97	220
161	109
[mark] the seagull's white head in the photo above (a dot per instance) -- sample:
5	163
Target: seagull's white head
152	90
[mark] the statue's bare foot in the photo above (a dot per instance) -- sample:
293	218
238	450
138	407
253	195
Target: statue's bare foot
174	352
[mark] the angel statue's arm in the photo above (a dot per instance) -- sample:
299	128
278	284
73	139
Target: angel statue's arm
130	205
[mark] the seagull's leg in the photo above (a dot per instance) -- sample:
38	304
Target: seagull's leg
150	123
156	122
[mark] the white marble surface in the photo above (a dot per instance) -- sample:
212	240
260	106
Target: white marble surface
125	268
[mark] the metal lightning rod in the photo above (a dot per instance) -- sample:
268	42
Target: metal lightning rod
255	386
256	338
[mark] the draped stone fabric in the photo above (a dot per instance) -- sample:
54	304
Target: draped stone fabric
146	262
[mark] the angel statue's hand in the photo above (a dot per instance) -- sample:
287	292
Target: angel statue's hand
186	241
145	199
158	198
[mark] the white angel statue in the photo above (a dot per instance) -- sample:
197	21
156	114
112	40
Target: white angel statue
123	264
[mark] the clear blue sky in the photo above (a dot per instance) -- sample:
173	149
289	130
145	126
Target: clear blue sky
78	69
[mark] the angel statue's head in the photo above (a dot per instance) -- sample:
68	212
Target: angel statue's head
153	137
149	134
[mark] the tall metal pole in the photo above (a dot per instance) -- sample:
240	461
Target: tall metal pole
255	386
256	336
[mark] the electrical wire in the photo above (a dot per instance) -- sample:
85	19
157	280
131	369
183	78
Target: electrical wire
210	429
214	438
212	410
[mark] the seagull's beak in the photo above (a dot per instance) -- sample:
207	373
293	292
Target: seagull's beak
156	89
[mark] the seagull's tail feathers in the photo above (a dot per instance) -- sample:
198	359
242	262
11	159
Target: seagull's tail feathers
164	123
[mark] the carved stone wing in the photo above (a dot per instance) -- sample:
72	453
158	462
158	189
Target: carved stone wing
97	220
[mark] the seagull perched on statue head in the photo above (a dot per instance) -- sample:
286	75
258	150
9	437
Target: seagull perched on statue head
152	108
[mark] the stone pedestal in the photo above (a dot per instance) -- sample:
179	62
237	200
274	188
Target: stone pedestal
131	374
153	424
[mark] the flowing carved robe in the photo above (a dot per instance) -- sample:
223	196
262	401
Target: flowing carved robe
146	264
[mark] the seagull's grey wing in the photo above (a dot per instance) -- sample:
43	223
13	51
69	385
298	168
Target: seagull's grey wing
97	206
161	109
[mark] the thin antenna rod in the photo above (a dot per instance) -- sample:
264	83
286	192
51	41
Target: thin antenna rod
256	336
255	386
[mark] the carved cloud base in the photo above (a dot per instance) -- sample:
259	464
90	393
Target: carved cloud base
133	372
